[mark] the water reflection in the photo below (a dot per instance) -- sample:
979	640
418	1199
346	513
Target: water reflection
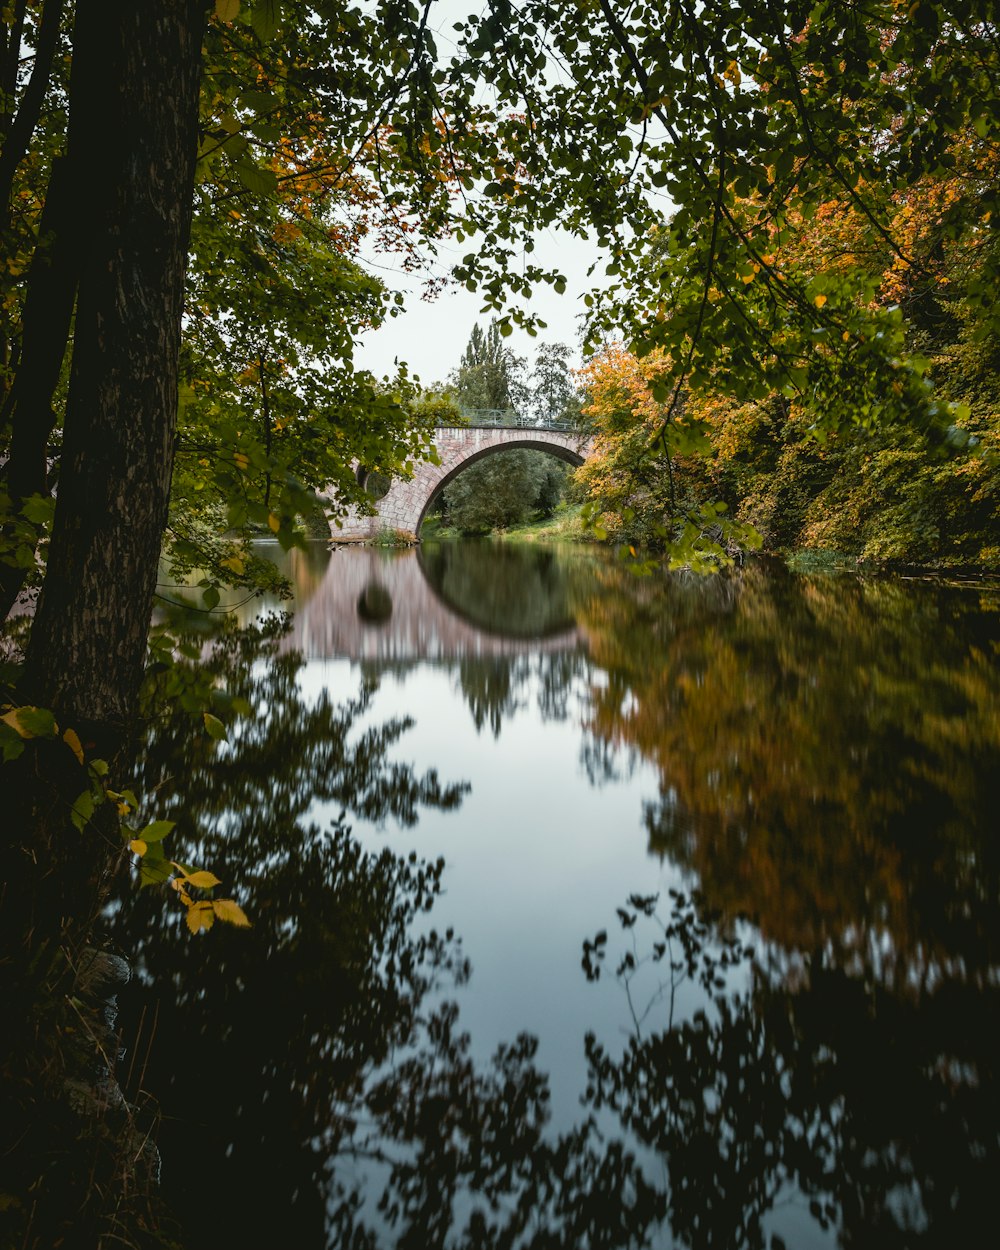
446	602
263	1037
824	748
811	1050
873	1113
520	592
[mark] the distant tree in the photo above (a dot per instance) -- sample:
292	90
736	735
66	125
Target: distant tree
553	394
490	375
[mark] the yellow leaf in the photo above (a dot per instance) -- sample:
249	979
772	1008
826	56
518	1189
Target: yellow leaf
72	740
200	916
242	461
203	880
819	300
31	722
274	522
137	846
230	912
227	9
846	336
234	564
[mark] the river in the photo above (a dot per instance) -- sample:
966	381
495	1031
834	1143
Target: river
589	910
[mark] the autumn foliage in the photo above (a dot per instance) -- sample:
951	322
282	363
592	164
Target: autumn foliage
878	488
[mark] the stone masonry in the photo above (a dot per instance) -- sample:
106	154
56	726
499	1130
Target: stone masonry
403	507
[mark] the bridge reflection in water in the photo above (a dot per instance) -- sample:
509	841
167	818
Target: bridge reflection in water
435	604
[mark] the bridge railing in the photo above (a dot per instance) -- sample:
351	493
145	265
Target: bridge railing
509	418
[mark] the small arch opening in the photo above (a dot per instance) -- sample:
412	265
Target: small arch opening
375	484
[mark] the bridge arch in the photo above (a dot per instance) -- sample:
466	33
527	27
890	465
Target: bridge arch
403	507
567	454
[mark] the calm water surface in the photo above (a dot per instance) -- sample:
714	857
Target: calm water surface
588	911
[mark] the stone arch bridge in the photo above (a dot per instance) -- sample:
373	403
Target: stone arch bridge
403	507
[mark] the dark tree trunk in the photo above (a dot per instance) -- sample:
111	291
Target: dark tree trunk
134	113
132	145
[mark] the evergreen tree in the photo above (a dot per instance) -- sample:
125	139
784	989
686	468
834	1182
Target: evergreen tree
553	395
490	375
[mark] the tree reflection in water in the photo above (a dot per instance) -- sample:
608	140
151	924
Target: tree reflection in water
286	1056
261	1040
872	1105
519	592
823	751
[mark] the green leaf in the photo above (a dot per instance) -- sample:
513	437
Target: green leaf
82	810
157	830
259	181
215	727
11	744
154	871
39	509
264	18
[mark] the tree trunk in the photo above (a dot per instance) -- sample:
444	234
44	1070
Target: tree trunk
132	139
134	111
133	129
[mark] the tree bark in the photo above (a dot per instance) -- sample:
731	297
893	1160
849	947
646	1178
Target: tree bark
134	108
132	144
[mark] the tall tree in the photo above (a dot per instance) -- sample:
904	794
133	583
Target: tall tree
489	375
135	74
502	490
554	396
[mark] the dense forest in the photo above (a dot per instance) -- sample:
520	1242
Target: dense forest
795	208
878	489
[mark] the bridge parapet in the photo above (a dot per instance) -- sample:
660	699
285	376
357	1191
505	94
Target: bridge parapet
510	418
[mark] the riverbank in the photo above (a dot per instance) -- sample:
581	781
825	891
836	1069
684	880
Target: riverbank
566	527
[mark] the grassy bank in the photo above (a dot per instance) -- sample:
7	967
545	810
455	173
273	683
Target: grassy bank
565	527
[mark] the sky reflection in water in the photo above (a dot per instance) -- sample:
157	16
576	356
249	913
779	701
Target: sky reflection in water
813	754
